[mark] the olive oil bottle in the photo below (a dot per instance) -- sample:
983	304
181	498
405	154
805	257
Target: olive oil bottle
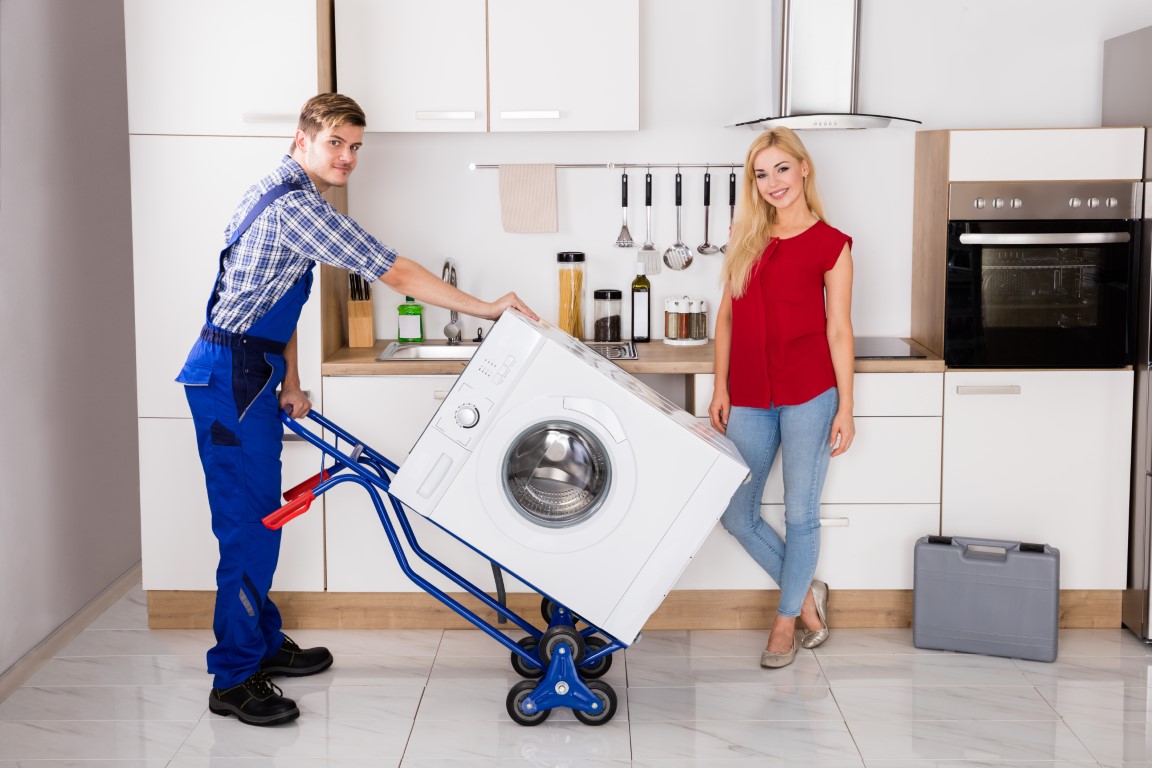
641	306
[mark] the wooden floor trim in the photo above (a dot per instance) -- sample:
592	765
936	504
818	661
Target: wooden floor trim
682	609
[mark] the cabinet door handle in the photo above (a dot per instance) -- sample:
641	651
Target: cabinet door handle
833	522
440	394
1007	389
531	114
267	117
446	115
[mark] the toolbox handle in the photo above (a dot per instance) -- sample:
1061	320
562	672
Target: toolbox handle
294	508
994	546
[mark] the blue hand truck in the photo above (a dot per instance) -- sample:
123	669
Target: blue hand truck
561	664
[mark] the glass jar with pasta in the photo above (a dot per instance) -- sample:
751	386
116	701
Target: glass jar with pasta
571	314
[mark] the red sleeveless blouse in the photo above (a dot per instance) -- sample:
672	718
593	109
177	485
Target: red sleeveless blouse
780	352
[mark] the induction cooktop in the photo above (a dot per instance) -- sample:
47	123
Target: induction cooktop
887	347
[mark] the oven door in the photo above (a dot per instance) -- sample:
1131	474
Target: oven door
1039	294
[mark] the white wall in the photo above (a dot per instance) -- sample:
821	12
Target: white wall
975	63
69	503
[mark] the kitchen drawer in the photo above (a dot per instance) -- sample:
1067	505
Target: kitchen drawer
893	460
388	413
862	546
875	394
178	550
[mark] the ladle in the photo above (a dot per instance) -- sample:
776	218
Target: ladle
707	248
678	256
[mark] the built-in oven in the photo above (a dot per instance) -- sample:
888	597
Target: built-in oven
1040	274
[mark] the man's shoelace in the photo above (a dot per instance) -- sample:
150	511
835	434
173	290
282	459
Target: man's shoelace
262	686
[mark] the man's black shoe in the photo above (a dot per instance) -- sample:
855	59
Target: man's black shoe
256	701
293	661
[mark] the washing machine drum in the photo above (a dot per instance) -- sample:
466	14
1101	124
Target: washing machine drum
556	474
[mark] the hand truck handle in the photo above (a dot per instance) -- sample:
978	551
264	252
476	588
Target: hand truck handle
307	485
294	508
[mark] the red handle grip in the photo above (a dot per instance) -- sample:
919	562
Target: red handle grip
306	486
294	508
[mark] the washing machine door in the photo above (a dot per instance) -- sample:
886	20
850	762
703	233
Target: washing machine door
556	473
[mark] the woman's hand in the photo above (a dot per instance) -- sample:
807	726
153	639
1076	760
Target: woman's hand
718	411
843	430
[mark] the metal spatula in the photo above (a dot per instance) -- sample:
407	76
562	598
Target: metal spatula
624	239
678	256
648	250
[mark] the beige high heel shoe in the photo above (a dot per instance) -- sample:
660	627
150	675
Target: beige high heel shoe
812	639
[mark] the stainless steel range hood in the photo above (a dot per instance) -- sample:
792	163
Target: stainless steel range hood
818	67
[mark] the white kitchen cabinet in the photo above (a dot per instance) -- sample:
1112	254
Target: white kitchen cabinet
862	546
878	498
1085	154
414	65
388	413
1042	456
561	66
178	221
219	67
510	65
179	550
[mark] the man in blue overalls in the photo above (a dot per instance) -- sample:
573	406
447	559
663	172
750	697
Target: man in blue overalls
246	350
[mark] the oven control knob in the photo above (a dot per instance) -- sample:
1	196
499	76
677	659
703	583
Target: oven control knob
1075	202
978	203
997	202
1093	202
1015	202
467	416
1111	202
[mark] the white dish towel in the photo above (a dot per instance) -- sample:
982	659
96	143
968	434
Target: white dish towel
528	198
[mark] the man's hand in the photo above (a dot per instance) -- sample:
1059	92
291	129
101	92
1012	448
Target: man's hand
295	402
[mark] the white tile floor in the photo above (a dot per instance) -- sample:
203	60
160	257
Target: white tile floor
125	696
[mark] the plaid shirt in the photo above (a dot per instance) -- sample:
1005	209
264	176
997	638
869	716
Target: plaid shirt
295	231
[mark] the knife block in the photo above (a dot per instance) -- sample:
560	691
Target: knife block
361	332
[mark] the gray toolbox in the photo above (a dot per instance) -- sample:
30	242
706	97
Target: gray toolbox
1000	598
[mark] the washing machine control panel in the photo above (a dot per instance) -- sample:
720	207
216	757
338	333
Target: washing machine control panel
467	415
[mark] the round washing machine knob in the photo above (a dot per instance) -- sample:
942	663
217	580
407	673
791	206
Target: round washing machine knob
467	416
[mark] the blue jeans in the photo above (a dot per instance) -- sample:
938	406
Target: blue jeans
801	433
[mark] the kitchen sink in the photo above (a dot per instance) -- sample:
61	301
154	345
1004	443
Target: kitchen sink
398	351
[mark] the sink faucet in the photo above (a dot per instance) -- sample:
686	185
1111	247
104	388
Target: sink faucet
452	330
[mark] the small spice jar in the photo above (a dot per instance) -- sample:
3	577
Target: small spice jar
671	319
606	309
571	315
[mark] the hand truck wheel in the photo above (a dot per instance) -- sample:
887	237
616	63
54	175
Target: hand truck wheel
554	636
602	665
516	697
521	667
607	697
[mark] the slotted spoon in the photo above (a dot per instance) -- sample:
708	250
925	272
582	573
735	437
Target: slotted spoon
648	250
624	239
678	256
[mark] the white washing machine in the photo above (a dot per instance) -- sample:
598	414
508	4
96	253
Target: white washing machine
575	477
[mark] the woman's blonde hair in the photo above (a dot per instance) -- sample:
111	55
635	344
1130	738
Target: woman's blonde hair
753	226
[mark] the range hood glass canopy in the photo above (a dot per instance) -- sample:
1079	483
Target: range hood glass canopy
818	68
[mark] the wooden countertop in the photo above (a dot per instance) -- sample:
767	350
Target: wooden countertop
654	357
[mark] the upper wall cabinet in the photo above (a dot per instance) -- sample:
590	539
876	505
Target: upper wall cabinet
219	67
515	65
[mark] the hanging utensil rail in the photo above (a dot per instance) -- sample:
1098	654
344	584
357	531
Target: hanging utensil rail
611	166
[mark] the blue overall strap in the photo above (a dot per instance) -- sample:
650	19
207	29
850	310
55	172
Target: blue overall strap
265	200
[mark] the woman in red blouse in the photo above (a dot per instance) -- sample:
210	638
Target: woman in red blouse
783	363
